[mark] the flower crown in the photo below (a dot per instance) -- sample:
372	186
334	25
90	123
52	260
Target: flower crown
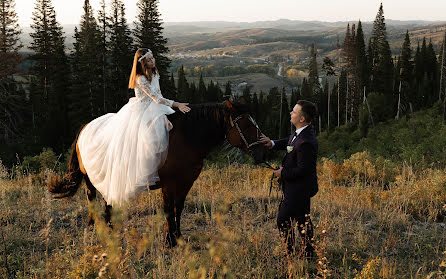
145	55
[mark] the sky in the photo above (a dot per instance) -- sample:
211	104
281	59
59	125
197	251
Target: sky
70	11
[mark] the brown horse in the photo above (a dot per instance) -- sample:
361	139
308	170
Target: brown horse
193	136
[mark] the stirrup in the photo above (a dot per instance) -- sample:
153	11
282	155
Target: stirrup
156	186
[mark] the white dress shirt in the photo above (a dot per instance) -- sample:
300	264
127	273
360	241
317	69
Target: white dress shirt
298	131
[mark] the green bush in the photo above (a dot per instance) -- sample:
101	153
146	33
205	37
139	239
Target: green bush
47	159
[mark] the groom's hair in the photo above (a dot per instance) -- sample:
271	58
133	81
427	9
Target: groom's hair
309	110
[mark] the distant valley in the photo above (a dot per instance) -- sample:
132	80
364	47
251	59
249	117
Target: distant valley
203	47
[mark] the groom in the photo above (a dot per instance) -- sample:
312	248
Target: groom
298	176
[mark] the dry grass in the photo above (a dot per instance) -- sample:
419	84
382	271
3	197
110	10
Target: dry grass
373	221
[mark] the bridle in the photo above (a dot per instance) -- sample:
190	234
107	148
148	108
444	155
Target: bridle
234	123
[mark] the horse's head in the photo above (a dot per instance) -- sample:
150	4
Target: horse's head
243	132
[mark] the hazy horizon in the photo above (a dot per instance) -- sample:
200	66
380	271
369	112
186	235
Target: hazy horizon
254	10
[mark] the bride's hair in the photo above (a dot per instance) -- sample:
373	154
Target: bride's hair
140	68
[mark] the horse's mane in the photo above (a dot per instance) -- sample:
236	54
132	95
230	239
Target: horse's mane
199	112
204	122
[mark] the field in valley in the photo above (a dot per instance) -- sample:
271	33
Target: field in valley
373	220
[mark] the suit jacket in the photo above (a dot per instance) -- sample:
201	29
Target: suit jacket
299	175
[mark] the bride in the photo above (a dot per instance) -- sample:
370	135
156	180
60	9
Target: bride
123	151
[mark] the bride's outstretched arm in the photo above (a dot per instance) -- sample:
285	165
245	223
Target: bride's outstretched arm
155	95
158	98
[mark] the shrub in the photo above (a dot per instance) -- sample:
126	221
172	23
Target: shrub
47	159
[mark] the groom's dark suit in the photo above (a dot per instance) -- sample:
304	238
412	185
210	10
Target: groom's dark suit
299	184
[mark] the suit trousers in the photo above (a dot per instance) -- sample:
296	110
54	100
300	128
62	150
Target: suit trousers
295	213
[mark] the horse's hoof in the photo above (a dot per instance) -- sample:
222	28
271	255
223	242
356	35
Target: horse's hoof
90	223
171	242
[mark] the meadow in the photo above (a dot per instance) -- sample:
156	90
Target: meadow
373	218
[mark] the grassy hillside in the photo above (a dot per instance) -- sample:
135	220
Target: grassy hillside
419	141
229	228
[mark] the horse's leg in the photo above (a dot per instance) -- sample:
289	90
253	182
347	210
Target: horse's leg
179	206
181	193
107	214
169	210
91	195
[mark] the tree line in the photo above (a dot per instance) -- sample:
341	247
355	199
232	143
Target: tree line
67	90
363	85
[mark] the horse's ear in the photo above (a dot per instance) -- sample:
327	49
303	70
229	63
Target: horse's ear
228	105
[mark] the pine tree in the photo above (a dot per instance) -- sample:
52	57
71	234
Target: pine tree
86	100
285	121
361	70
313	76
262	112
432	75
9	39
442	64
329	68
172	95
342	96
272	110
213	93
247	94
382	64
228	90
13	104
149	33
419	76
201	90
183	86
426	74
255	106
406	71
192	94
50	78
306	90
103	29
348	49
121	54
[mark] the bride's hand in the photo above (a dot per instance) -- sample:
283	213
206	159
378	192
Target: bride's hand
182	107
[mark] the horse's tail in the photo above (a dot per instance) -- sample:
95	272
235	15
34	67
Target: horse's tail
67	185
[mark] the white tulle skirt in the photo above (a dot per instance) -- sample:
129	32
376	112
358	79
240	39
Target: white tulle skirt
123	151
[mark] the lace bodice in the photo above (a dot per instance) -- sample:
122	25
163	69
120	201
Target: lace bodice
148	91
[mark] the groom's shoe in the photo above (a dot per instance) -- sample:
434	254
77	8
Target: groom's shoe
156	186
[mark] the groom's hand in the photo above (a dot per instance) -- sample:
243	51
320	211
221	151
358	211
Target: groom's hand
266	140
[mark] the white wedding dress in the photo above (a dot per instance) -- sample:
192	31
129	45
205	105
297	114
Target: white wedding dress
123	151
